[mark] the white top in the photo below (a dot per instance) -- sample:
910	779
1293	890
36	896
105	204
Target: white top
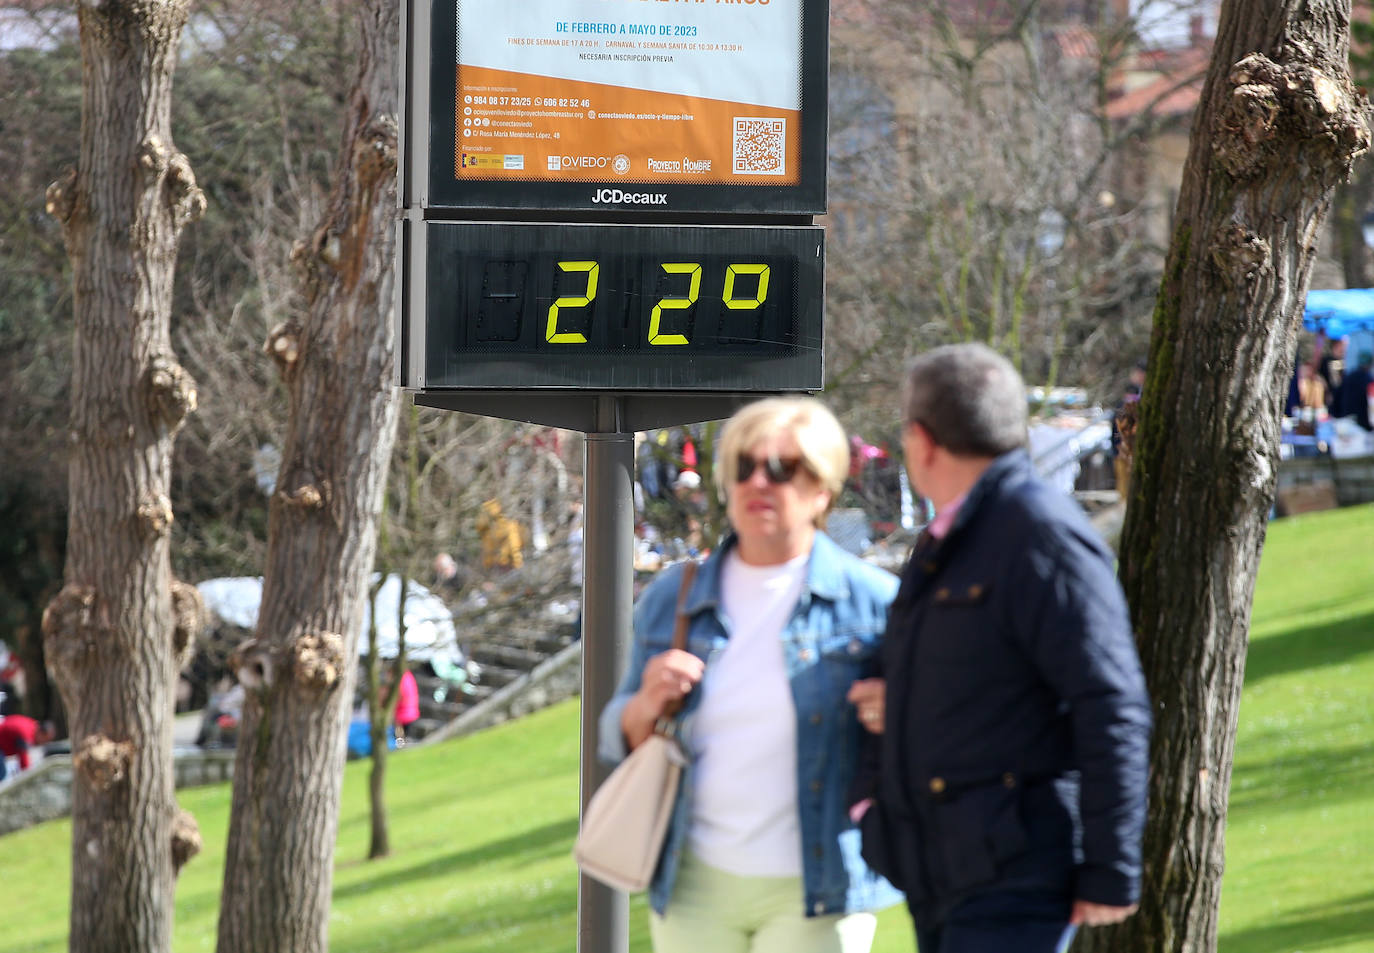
744	789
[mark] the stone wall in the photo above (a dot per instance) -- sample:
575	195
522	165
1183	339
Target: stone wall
39	794
1324	482
45	791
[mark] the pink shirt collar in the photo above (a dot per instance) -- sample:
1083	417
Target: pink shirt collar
945	518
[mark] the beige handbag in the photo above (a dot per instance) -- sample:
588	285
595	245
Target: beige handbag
625	821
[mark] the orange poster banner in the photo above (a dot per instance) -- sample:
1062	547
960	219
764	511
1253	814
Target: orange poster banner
529	127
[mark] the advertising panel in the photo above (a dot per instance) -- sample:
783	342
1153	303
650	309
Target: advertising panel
630	105
546	87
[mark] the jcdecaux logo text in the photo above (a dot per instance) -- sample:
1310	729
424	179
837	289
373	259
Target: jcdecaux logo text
619	197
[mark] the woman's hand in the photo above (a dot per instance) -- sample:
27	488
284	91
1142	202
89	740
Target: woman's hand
869	695
667	677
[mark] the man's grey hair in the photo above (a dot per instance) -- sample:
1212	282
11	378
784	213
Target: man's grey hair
969	398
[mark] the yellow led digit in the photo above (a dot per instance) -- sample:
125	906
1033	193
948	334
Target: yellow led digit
675	304
551	332
745	304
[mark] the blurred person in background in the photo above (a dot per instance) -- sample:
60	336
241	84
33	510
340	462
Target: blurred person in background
11	682
19	735
1355	394
1331	369
407	706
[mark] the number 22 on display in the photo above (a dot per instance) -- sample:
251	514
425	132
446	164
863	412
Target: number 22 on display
592	270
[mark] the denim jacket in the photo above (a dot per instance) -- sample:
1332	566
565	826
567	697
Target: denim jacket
831	639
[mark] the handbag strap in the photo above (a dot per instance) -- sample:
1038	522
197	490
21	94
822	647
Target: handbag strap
680	623
689	573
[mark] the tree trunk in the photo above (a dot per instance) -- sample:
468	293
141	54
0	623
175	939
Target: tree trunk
299	667
113	634
381	701
381	698
1277	128
1351	206
380	842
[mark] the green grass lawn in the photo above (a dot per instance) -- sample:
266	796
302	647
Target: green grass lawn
1300	842
481	828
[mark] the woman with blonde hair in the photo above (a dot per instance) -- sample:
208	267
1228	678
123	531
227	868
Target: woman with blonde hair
761	855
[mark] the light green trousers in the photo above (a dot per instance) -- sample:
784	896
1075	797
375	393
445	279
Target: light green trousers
720	912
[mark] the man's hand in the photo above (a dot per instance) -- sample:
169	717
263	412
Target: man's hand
869	696
1088	914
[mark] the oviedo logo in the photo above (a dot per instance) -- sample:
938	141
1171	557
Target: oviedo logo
621	164
618	197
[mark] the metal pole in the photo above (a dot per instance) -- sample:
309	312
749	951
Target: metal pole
603	914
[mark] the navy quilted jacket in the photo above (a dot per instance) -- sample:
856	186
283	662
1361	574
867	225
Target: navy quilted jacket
1017	739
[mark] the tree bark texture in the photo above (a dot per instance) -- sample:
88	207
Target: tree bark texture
299	668
1277	129
113	635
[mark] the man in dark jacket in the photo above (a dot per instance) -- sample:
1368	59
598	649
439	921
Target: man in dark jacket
1353	400
1006	791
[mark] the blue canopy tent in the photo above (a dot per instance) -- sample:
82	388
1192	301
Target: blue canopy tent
1340	313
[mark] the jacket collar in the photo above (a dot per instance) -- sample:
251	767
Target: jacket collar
929	553
825	575
1011	467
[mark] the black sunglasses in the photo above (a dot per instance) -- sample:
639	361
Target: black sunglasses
777	469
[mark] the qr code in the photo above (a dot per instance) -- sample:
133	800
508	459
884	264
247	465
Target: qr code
760	146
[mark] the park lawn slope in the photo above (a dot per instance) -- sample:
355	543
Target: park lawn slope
1300	851
481	836
482	827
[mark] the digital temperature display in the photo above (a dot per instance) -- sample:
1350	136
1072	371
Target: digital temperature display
619	307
